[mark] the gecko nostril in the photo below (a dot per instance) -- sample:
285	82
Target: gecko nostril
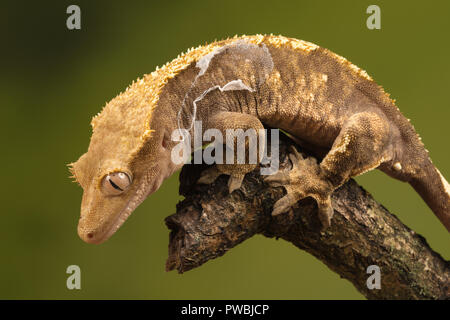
90	235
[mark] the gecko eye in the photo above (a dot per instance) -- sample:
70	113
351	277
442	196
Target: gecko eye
115	183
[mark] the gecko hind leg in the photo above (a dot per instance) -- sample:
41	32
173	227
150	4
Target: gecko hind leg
362	145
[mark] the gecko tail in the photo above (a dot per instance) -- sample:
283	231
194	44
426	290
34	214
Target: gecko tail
434	190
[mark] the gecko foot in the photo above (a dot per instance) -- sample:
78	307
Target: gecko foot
303	180
211	174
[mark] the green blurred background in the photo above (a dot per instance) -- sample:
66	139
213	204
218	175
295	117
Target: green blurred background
54	80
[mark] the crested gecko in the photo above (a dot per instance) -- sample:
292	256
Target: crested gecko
244	82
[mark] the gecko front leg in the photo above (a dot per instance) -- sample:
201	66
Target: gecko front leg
225	122
362	145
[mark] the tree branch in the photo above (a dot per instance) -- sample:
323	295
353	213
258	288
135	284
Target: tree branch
210	221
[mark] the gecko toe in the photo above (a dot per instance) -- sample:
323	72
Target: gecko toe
235	182
284	204
325	212
278	179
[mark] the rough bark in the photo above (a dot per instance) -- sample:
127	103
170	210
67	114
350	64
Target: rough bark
210	221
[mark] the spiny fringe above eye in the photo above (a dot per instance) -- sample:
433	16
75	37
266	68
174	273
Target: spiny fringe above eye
73	177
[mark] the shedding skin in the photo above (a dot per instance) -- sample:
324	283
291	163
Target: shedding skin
316	96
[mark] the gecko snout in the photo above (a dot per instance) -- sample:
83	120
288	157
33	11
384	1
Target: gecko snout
89	235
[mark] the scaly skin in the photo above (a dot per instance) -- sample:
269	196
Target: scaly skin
315	95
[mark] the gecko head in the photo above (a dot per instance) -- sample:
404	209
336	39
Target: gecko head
124	164
113	188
